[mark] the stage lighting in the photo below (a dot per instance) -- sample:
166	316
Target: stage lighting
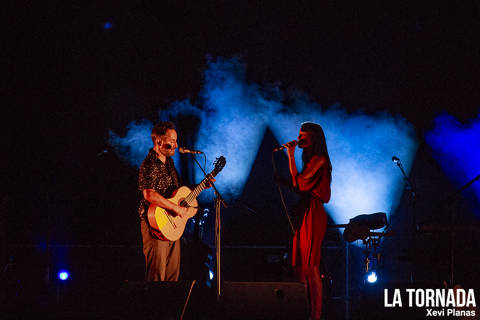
372	277
107	25
63	275
456	147
210	273
373	260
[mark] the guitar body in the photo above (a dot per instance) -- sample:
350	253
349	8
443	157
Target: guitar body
166	225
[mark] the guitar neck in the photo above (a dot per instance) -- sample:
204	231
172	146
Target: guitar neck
198	189
219	164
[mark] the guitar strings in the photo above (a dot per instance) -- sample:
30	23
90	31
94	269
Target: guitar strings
170	220
193	195
195	192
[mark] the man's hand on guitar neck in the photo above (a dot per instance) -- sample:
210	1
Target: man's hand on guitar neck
210	181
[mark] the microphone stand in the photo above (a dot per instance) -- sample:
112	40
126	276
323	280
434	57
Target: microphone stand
219	201
413	194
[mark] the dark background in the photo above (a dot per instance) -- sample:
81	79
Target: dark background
68	81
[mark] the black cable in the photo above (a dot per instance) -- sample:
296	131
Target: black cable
275	172
204	161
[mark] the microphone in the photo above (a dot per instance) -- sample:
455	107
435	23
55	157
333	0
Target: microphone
283	147
185	150
395	159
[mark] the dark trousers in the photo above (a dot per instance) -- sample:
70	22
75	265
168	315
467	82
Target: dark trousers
162	258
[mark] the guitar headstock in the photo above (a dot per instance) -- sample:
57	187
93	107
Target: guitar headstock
219	163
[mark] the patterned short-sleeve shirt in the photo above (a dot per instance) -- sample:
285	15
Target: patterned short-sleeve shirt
156	175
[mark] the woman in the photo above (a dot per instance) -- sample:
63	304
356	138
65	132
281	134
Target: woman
313	183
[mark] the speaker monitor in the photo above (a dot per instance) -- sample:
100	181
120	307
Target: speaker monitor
265	300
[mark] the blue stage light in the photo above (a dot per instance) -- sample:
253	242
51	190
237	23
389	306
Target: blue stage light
210	274
372	277
456	146
63	275
107	25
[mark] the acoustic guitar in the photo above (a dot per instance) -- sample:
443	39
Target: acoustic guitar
165	224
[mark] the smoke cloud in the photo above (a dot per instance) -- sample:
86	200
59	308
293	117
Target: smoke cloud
136	143
234	115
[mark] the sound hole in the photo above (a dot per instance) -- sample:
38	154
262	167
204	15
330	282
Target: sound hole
183	203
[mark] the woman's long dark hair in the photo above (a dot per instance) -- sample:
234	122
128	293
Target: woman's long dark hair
318	147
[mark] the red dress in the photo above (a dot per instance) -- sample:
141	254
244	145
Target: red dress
307	242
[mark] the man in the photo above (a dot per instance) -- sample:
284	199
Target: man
157	179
